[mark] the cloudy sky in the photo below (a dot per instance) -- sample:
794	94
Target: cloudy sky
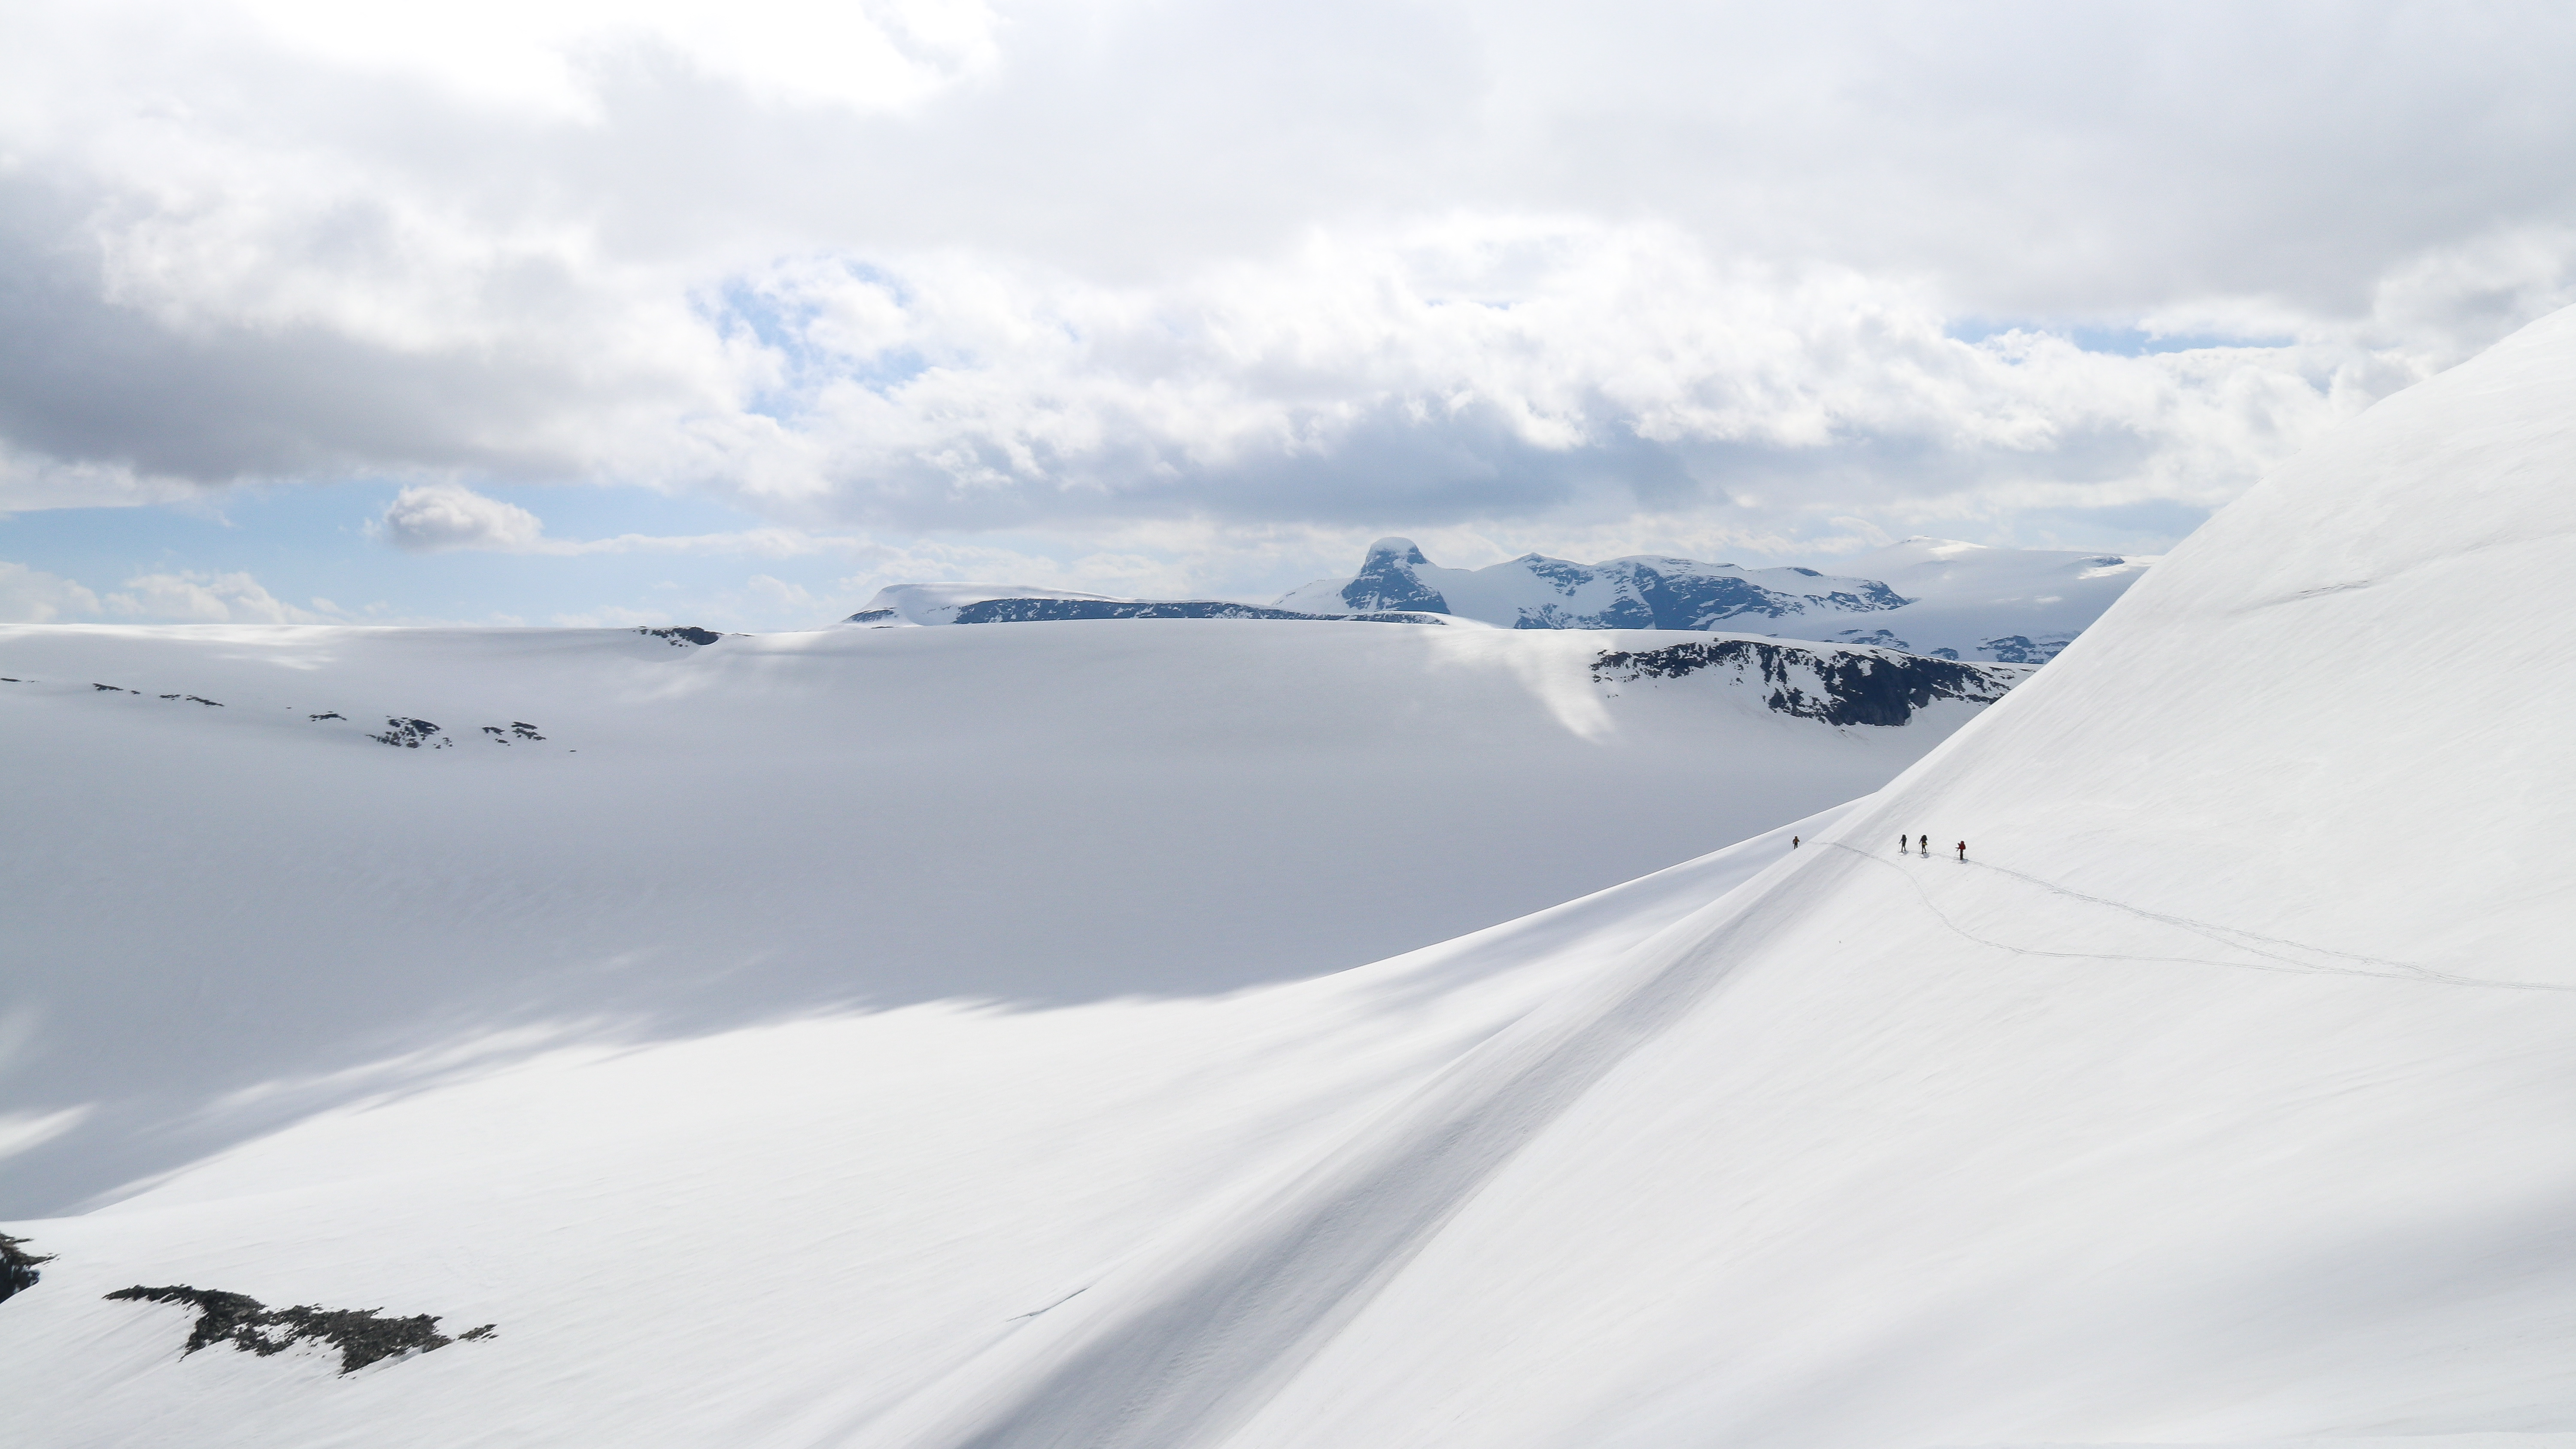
654	311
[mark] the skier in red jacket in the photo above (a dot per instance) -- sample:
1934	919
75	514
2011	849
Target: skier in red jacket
1963	850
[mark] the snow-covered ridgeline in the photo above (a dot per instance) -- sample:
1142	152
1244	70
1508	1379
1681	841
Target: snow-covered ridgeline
962	603
898	605
1950	600
1926	596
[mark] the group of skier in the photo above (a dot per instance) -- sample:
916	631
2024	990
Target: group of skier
1921	843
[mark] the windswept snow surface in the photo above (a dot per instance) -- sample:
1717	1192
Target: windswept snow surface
223	916
767	1236
2222	1096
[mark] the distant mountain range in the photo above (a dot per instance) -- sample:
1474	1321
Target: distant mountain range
1643	592
1924	596
901	604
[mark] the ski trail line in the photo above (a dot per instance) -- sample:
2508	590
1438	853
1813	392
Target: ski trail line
1198	1339
2225	935
2230	936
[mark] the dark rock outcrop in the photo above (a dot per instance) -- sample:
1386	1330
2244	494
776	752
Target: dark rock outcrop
1386	580
1837	686
253	1327
409	734
2022	649
17	1265
1660	598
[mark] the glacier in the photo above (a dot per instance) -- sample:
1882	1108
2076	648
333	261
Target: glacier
2217	1094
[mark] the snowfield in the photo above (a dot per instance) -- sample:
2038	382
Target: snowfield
2222	1095
238	912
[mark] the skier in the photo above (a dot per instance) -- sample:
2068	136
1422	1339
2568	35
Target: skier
1900	845
1793	842
1923	843
1963	850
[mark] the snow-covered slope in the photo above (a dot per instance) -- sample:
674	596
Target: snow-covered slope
765	1236
637	834
2221	1096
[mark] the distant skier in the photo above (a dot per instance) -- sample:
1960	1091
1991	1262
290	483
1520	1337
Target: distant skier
1963	850
1900	845
1923	843
1793	842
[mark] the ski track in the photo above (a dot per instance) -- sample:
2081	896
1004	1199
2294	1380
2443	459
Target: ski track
2223	934
1191	1357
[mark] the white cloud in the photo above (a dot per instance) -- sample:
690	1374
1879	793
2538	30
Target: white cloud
31	596
937	266
30	480
25	1131
206	598
546	54
448	517
437	517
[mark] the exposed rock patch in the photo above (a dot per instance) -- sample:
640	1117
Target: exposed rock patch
1387	580
1641	592
1854	687
17	1265
251	1326
410	734
683	634
2022	649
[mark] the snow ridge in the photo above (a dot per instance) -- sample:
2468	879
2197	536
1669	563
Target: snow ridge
1951	600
